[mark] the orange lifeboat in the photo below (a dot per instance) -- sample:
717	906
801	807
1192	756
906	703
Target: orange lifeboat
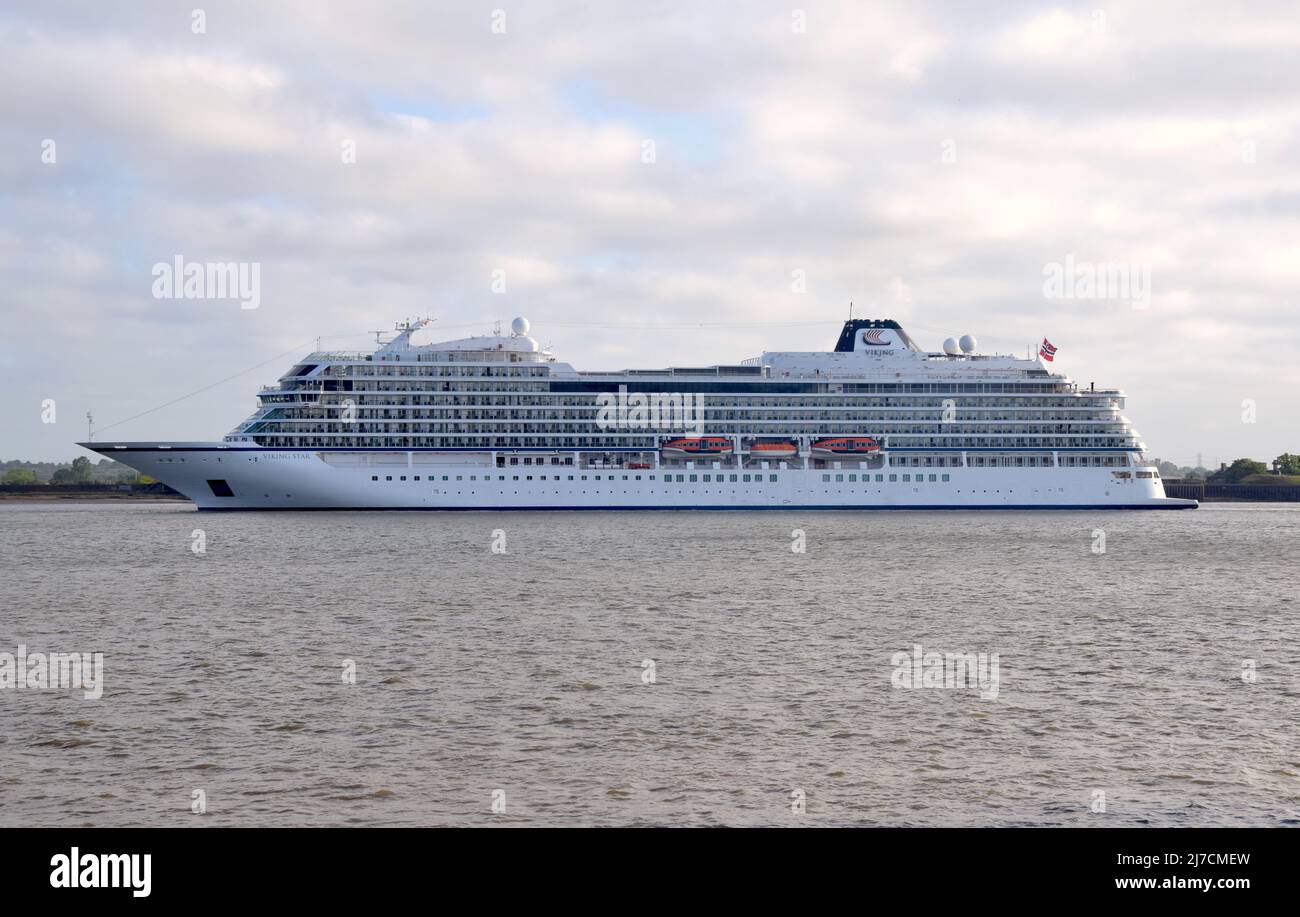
696	446
773	450
845	446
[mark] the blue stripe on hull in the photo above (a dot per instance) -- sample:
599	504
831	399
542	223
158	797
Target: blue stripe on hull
565	509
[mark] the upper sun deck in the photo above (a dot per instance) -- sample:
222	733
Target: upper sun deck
868	351
516	347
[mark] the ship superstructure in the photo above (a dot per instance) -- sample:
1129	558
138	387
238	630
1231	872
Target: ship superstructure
496	422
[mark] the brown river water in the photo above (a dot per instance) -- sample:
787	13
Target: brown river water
653	668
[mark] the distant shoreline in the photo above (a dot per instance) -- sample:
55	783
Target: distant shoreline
88	491
36	497
1223	493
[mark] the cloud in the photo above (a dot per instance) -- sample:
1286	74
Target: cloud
924	161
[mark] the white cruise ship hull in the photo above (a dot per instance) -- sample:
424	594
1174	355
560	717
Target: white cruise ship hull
221	477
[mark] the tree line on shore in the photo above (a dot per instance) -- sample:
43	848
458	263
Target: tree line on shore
79	471
1285	466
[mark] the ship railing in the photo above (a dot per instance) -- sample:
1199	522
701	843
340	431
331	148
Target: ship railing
338	355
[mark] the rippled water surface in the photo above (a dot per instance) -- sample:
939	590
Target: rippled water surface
1119	673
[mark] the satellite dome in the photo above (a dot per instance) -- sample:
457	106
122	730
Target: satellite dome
520	325
967	343
950	347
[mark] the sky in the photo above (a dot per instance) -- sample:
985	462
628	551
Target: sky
651	184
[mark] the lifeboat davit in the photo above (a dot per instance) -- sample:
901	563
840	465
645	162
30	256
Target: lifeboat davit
842	446
773	450
696	446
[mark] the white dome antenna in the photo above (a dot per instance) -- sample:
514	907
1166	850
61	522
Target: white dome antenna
519	326
950	347
968	343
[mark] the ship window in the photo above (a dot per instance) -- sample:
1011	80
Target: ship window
570	477
513	477
707	478
693	478
733	479
839	478
745	478
907	477
220	488
945	477
932	478
826	477
681	479
444	477
528	477
893	477
417	477
388	477
404	478
374	477
772	478
880	477
458	477
852	478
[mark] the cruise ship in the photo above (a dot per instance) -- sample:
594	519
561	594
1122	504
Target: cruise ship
497	422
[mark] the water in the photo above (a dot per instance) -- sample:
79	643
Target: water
1119	673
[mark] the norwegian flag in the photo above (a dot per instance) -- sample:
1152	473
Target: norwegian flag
1047	351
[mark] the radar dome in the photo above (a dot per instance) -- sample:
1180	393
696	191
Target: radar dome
520	325
967	343
950	347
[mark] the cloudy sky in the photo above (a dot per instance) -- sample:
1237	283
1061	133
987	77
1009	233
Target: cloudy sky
652	184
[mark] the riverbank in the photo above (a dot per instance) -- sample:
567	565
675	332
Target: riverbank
1232	493
1205	493
57	492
